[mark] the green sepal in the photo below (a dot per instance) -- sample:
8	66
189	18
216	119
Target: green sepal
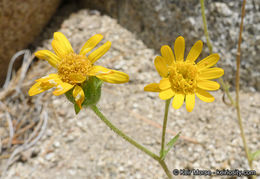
254	155
92	90
76	108
69	96
169	145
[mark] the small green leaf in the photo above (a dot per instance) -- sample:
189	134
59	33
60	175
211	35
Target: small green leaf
254	155
76	108
170	145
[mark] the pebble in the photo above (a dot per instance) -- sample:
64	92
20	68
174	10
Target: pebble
72	172
70	139
49	156
121	169
56	144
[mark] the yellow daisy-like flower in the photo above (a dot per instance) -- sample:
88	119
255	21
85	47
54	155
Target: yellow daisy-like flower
73	69
183	79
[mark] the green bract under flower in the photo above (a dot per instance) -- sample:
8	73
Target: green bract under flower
92	92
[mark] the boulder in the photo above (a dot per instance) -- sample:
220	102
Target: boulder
20	23
159	22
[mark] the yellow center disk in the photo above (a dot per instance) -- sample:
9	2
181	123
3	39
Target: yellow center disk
74	68
183	77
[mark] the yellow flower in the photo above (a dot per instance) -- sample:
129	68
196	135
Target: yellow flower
183	79
73	69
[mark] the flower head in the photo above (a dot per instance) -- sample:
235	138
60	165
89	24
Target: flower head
74	69
181	80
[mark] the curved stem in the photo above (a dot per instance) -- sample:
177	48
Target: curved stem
131	141
123	135
167	104
225	87
236	103
237	88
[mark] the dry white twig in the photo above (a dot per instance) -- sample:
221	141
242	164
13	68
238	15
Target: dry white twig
11	128
27	60
42	127
26	53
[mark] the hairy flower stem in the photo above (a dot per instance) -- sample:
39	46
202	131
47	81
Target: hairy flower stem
167	104
237	88
225	87
130	140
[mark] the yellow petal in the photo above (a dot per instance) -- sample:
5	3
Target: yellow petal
167	53
90	44
190	102
38	88
49	56
164	84
161	66
211	73
195	51
179	48
177	101
108	75
94	56
62	88
209	61
59	50
49	78
208	85
166	94
98	70
153	87
53	80
61	45
44	84
78	95
204	95
76	78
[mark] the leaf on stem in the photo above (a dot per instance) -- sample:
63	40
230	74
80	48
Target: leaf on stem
170	145
254	155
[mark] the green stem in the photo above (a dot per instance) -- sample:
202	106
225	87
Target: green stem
123	135
165	168
167	104
131	141
210	49
205	25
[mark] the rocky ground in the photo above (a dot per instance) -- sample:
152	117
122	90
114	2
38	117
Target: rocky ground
83	147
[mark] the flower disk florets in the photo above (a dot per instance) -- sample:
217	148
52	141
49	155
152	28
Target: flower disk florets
183	77
74	68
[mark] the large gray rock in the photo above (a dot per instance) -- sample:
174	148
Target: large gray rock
20	23
159	22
